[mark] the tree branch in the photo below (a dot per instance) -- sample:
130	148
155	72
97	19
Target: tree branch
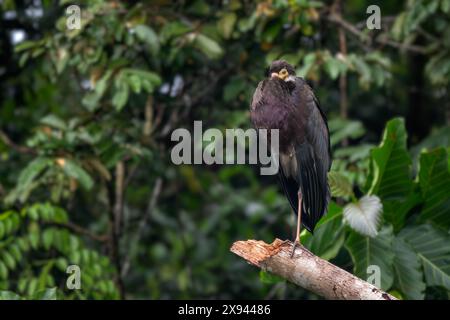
116	225
81	230
21	149
383	40
307	270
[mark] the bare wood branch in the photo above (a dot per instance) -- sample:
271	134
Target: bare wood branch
307	270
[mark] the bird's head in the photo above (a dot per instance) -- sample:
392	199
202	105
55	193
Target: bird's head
282	70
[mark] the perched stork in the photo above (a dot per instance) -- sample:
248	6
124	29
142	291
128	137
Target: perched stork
286	102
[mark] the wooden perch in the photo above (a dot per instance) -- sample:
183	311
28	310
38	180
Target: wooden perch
307	270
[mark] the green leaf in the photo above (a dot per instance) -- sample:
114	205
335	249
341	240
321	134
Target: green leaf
396	211
363	69
135	83
328	235
32	170
269	278
77	172
147	35
47	238
8	259
120	98
308	63
366	251
434	180
173	30
390	173
47	294
226	24
3	271
333	66
445	6
342	129
9	295
433	249
340	186
54	121
102	84
408	271
208	46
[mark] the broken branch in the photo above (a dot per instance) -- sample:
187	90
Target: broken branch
307	270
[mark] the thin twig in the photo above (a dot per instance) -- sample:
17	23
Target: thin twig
21	149
366	39
343	77
80	230
142	224
115	225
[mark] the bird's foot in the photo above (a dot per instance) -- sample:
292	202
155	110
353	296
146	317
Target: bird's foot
294	246
283	243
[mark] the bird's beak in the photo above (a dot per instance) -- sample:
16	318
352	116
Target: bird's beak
274	75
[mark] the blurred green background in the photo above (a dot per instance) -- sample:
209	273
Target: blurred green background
86	117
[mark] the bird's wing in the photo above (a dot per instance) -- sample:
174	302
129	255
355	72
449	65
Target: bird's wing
257	96
313	157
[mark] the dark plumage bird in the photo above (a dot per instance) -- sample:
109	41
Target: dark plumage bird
286	102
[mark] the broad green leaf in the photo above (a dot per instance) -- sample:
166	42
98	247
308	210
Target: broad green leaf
147	35
102	84
8	259
433	248
9	295
334	66
363	69
120	98
328	235
366	251
438	138
341	129
77	172
308	63
226	24
390	175
408	271
135	83
340	186
32	170
3	271
434	180
396	211
173	30
208	46
47	294
54	121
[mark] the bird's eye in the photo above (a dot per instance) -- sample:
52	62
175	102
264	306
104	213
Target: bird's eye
283	72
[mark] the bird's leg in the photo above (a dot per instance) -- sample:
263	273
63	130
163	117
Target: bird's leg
299	223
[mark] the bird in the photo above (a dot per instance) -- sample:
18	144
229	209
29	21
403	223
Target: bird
286	102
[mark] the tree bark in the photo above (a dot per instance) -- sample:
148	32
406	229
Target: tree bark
307	270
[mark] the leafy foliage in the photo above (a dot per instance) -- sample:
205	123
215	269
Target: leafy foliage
85	120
